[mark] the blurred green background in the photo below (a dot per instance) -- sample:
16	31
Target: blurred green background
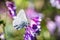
12	34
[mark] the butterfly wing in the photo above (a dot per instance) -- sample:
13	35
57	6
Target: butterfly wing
21	20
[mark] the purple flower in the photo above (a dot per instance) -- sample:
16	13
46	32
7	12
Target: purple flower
51	26
57	21
32	30
55	3
12	8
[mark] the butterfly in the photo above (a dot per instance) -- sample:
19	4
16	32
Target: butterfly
20	21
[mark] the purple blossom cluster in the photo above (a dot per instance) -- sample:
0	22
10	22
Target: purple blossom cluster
33	29
52	25
12	8
55	3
